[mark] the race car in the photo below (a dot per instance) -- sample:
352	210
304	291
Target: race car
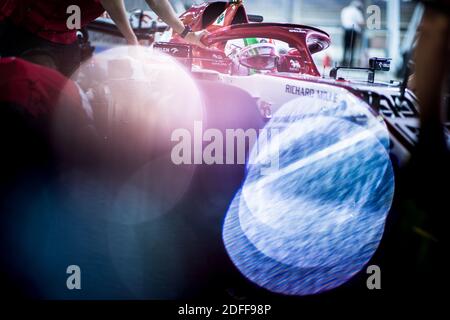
299	219
249	72
274	63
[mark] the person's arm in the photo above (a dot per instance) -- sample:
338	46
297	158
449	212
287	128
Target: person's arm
165	11
116	10
431	64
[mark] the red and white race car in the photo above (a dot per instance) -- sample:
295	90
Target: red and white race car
250	74
274	63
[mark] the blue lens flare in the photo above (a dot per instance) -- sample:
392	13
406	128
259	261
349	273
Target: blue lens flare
313	223
272	274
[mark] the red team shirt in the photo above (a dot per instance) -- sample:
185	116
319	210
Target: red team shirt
48	19
41	90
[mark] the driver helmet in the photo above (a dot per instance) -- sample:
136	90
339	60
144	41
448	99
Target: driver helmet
260	56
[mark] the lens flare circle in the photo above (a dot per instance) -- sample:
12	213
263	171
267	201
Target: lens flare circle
321	215
329	197
136	99
273	275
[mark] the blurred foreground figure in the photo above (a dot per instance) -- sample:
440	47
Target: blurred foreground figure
46	129
432	158
39	103
422	193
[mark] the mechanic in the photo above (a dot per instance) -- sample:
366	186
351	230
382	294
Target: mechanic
50	119
352	19
38	32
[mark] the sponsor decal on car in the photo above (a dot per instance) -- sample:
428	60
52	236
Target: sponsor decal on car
220	20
